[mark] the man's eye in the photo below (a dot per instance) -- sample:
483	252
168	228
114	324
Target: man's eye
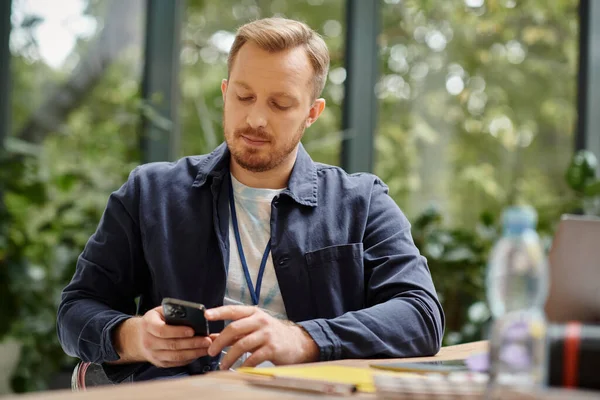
244	98
280	107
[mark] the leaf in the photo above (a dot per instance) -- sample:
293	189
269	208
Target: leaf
17	146
592	189
581	170
66	181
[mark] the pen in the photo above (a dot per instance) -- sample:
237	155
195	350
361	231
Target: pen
310	385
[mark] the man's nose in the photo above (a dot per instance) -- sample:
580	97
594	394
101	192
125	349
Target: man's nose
257	117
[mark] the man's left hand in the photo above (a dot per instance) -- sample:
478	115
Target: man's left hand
267	338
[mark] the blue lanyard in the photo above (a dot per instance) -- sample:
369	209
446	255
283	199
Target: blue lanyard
254	293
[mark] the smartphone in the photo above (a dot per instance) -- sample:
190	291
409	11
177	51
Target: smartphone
445	366
181	312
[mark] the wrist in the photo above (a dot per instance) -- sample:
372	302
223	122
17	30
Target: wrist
310	349
126	341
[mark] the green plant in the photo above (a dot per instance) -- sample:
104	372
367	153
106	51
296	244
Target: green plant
456	259
12	247
54	196
19	184
582	178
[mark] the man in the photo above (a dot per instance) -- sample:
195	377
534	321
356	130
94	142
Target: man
314	264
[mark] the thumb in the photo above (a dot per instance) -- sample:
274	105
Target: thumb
156	315
160	311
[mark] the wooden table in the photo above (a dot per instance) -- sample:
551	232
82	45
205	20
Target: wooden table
232	385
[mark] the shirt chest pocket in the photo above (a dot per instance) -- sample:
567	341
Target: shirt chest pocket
336	275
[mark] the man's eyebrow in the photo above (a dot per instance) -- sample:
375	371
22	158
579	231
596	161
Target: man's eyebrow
284	94
242	84
276	94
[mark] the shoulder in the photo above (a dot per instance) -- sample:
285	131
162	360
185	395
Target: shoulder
163	174
360	182
363	193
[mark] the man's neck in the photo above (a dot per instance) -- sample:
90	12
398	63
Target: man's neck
276	178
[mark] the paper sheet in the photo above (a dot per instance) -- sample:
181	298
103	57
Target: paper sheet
361	377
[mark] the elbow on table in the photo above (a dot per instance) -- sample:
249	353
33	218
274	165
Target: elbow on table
66	338
434	321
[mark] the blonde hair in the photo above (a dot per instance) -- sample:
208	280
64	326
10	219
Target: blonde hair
279	34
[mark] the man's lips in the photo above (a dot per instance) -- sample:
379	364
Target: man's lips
254	140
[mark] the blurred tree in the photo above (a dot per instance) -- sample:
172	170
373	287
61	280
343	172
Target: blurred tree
477	104
119	34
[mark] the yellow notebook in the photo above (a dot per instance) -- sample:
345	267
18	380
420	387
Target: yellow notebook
361	377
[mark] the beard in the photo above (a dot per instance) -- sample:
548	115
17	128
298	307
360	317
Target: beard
266	157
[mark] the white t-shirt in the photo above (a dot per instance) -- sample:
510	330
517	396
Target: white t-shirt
253	211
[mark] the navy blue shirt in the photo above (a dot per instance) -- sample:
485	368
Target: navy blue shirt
347	267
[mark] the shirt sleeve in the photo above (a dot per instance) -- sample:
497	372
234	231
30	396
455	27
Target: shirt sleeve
403	316
107	279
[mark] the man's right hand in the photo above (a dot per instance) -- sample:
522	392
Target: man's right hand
150	339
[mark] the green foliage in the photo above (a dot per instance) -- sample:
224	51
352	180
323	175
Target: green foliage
54	197
457	260
582	177
12	247
477	105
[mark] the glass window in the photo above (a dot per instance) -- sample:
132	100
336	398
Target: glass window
477	103
477	110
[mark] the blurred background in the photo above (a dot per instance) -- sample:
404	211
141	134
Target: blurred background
461	106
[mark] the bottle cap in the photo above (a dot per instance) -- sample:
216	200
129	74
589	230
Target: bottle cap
517	219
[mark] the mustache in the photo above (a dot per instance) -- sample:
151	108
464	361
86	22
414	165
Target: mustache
255	133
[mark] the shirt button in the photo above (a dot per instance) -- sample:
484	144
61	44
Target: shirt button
283	260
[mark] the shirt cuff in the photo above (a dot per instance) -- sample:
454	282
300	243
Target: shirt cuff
116	373
329	345
109	353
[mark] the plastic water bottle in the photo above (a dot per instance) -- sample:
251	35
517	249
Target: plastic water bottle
517	286
517	277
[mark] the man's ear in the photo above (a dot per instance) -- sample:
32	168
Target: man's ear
224	88
315	111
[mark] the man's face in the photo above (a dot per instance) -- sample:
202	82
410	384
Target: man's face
268	105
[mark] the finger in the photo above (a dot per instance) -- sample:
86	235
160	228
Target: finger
258	356
246	344
229	312
180	357
233	332
160	311
156	326
213	336
183	344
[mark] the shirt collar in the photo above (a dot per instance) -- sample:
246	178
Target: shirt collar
302	186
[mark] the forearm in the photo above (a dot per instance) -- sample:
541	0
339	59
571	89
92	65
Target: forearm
85	328
400	327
